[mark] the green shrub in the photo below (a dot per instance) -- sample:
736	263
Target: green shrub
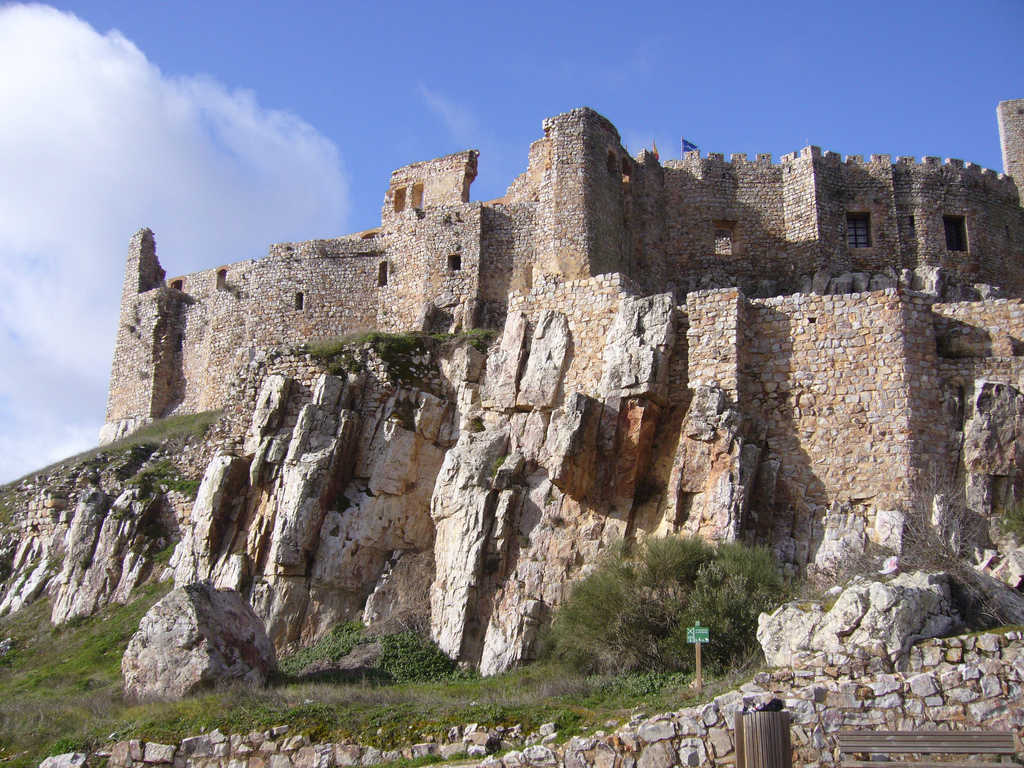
631	613
334	645
406	657
1012	522
163	476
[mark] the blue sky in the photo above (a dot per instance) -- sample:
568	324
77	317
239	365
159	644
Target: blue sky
227	126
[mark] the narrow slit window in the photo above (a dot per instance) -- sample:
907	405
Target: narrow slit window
956	233
454	262
300	300
912	227
382	274
858	230
222	279
400	199
417	195
612	163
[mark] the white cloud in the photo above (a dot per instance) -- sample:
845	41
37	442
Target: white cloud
96	144
457	118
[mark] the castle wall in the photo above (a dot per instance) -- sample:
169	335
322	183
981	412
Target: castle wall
583	208
716	347
508	238
993	328
645	221
746	197
1011	137
829	377
590	305
433	255
989	207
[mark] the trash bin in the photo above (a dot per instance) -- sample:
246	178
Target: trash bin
763	740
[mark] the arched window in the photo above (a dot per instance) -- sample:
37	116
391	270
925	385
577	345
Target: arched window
178	285
222	279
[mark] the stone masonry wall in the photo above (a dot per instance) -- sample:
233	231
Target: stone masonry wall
590	306
949	684
831	385
433	256
1011	136
583	208
993	328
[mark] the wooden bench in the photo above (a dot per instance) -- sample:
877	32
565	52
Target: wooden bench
1002	743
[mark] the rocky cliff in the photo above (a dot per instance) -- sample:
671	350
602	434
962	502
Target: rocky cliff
504	464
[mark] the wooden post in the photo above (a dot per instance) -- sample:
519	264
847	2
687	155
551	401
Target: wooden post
738	740
699	682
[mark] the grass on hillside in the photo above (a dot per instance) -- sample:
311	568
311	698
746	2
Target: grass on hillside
189	426
61	690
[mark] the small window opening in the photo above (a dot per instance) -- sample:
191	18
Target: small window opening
612	163
178	285
912	227
300	300
627	169
179	341
400	199
724	231
454	262
858	230
417	195
812	320
222	279
956	233
382	274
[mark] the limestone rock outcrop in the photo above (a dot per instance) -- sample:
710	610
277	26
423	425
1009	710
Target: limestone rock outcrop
885	618
193	637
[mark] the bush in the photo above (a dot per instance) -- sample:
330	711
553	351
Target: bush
1013	522
631	614
335	645
406	657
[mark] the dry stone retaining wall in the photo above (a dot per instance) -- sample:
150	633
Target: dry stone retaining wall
971	682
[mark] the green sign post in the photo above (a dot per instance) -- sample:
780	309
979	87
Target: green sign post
698	635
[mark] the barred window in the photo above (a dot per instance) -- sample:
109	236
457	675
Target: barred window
858	230
724	237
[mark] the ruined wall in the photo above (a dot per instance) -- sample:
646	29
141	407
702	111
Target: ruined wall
433	256
830	380
1011	137
983	205
583	208
707	196
180	341
590	306
993	328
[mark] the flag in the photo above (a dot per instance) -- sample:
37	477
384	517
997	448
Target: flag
654	146
689	147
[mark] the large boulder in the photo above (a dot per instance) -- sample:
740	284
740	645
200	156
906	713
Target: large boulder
883	618
192	638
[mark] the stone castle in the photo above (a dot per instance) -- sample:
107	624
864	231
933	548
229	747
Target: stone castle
861	322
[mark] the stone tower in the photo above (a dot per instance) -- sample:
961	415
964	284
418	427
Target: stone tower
1011	138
